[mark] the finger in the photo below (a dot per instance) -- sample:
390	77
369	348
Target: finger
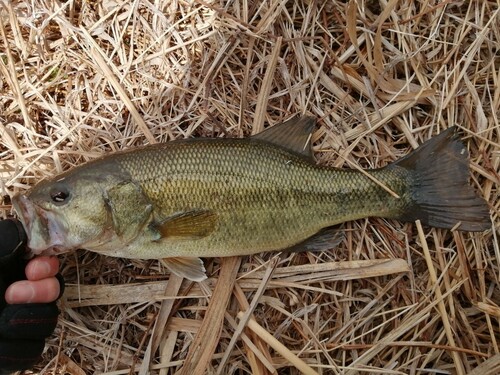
40	291
41	268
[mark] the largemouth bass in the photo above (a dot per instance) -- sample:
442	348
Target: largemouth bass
187	199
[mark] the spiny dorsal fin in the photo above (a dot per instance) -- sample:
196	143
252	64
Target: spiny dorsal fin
294	134
189	225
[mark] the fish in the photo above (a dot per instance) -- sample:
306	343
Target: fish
188	199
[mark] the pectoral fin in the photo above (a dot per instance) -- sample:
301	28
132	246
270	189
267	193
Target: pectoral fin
191	225
190	268
129	208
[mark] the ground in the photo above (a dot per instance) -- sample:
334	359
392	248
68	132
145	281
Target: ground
83	78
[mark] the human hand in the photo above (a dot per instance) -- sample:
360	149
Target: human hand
28	313
41	284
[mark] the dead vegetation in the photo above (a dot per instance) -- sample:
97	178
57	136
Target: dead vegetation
83	78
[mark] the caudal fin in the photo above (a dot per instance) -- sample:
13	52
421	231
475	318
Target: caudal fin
440	194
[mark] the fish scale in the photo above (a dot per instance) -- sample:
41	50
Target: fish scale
255	187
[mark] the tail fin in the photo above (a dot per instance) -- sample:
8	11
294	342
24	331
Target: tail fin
441	196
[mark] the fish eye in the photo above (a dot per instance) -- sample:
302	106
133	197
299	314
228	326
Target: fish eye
59	195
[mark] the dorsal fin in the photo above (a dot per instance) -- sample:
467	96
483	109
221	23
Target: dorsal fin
294	134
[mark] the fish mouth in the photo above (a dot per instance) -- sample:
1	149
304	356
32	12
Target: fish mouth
44	231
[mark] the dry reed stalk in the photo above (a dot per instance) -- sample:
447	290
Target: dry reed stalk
276	345
205	342
82	78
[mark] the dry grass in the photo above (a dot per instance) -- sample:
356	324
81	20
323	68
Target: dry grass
81	78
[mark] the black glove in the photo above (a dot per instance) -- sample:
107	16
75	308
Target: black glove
23	327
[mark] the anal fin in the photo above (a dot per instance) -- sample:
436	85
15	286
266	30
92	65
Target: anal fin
325	239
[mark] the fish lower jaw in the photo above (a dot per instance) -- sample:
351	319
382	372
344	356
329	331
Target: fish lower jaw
51	251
